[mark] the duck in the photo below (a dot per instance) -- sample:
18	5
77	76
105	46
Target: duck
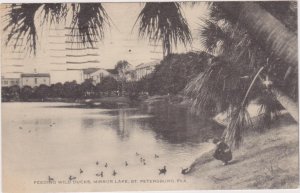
50	179
163	170
100	174
97	163
80	171
137	154
126	163
141	159
144	163
185	171
72	177
106	165
114	173
156	156
20	127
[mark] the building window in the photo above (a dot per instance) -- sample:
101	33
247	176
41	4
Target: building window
35	80
5	82
44	80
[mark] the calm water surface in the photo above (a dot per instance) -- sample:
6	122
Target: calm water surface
52	139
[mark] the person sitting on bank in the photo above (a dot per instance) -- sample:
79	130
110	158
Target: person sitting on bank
222	152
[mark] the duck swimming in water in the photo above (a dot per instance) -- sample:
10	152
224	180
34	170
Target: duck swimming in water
99	174
114	173
97	163
126	163
156	156
50	179
106	165
72	177
80	171
163	170
185	171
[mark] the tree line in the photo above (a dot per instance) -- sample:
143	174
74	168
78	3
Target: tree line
68	90
254	44
170	76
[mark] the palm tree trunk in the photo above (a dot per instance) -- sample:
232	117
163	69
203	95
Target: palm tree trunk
290	105
275	37
265	28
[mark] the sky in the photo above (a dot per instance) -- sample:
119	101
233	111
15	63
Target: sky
119	39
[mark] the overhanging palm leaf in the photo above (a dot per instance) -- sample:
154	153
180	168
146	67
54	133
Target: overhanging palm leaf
88	22
54	12
219	84
239	122
20	23
164	22
213	36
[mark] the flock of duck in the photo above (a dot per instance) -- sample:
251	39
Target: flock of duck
161	171
29	131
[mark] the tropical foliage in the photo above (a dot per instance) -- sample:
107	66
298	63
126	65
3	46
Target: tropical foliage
254	44
174	72
164	22
240	58
87	24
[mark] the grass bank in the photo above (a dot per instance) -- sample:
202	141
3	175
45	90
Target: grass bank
265	160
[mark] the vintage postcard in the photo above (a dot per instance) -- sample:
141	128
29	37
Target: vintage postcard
144	96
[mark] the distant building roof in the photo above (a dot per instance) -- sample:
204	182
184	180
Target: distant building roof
89	70
3	78
112	71
144	65
100	70
36	75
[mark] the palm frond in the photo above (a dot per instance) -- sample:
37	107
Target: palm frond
240	122
212	36
88	22
54	12
240	119
164	22
218	84
269	106
20	24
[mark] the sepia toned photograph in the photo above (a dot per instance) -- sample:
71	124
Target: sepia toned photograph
149	96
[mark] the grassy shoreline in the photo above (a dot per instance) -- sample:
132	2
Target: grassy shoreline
265	160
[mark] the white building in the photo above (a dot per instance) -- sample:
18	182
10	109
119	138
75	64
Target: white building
35	79
7	82
98	75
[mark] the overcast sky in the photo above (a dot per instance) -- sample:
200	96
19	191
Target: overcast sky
119	39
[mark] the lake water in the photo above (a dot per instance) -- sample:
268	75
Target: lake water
58	139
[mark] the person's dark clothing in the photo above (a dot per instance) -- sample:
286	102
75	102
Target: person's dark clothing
223	152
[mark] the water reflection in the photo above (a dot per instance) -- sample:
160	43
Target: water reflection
87	123
176	125
81	136
170	124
